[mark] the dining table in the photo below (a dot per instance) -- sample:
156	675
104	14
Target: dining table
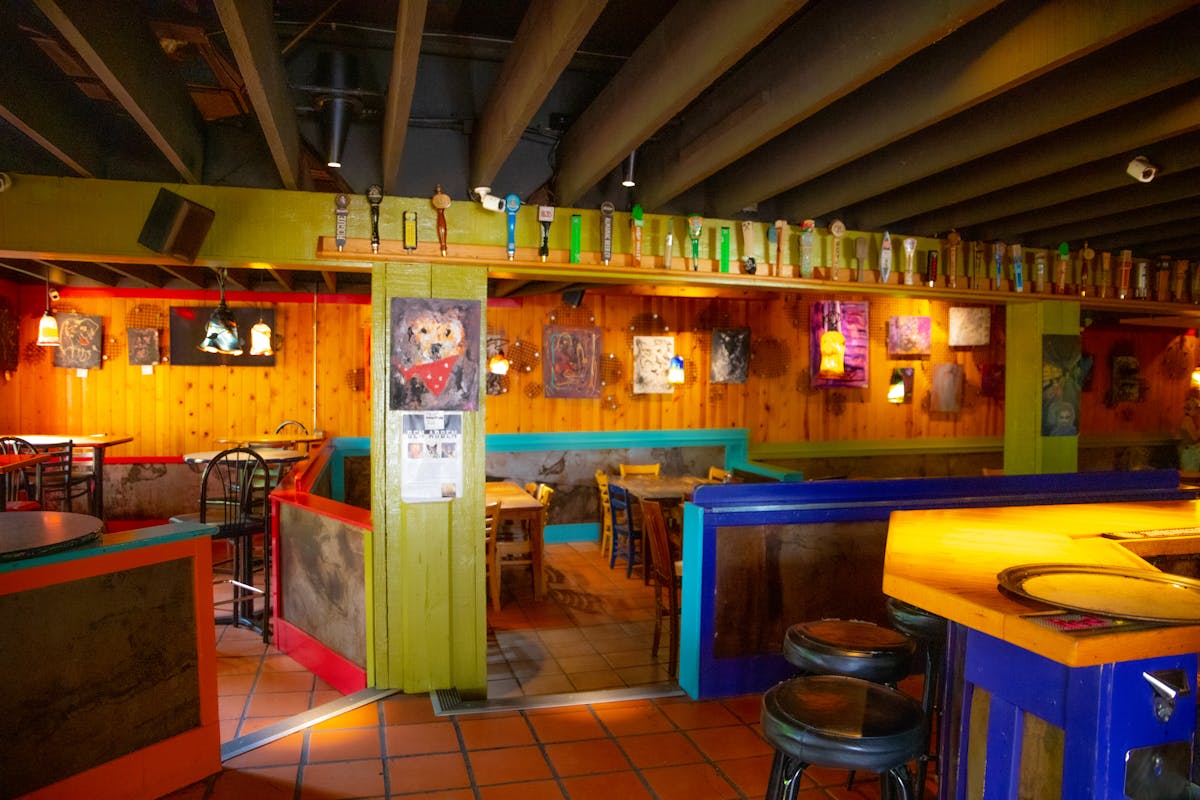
98	443
15	462
662	488
272	440
271	455
26	534
520	506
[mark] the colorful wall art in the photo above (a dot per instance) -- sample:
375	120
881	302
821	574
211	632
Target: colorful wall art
81	338
1062	377
570	368
651	363
908	336
837	326
730	355
143	346
970	326
434	354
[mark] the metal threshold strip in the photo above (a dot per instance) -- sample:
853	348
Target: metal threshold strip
447	702
271	733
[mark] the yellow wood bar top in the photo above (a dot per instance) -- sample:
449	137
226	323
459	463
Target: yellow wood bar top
946	562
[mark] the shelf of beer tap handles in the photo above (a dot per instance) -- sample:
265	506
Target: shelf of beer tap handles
621	271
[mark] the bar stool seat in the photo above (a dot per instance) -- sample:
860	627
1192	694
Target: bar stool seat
849	647
842	723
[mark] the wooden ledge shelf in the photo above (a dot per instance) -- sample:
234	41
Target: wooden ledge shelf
652	277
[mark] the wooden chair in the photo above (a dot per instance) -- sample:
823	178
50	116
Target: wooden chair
513	548
491	527
234	492
640	469
718	475
543	495
666	574
23	486
627	534
606	529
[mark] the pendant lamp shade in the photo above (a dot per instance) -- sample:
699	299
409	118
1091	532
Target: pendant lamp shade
221	332
260	339
48	325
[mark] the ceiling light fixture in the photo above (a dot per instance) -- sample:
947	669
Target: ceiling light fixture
338	71
627	178
221	332
48	326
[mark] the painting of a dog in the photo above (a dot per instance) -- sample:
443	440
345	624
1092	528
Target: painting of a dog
435	354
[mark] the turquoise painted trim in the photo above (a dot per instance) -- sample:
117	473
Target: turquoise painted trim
767	451
769	471
574	532
124	541
734	440
344	446
690	600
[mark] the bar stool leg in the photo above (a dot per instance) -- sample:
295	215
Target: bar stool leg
784	783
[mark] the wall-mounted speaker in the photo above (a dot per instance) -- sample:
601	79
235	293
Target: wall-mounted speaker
176	226
572	298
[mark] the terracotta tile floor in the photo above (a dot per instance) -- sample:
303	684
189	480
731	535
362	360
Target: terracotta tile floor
592	631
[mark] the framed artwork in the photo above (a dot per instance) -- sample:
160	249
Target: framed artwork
730	355
908	336
81	338
188	324
1062	379
143	346
571	368
434	363
945	396
839	329
970	326
651	362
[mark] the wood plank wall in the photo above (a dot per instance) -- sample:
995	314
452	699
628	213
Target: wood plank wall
183	409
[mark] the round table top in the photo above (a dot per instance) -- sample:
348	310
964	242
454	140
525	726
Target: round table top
25	534
272	454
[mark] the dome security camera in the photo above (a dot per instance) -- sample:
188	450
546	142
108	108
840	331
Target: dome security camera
1142	170
5	181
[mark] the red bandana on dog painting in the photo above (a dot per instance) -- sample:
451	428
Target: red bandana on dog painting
434	375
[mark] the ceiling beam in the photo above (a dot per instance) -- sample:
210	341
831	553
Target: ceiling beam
33	269
1007	48
695	44
284	277
82	269
41	102
1158	237
1166	57
1136	205
808	65
124	54
550	33
410	23
139	273
1164	128
331	279
187	275
250	30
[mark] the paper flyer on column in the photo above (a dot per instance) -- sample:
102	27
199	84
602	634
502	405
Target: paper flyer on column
431	456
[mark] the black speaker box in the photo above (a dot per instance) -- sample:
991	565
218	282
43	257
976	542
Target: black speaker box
572	298
176	226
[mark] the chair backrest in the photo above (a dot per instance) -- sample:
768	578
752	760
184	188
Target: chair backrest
622	513
292	423
234	492
56	472
544	493
640	469
718	474
23	484
655	526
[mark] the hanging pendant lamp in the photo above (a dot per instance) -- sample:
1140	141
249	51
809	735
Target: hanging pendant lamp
48	325
221	332
261	337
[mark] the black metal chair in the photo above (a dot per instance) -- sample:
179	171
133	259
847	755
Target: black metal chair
55	475
234	496
22	488
627	533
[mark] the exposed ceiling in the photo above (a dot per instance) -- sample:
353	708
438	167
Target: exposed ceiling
1012	121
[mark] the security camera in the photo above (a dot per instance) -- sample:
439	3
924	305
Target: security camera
1142	170
5	181
488	200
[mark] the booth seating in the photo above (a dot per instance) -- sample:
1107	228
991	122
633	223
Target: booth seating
840	722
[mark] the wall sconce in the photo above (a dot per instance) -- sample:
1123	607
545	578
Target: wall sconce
627	175
261	337
498	364
675	370
221	333
48	325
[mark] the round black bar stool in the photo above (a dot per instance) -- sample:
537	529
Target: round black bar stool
849	647
930	630
842	723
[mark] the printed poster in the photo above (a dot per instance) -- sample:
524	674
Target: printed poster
431	463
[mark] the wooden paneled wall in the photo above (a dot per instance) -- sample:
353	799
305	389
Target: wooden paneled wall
775	409
177	410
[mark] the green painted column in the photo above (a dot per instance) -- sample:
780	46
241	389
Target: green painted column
1026	451
429	606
